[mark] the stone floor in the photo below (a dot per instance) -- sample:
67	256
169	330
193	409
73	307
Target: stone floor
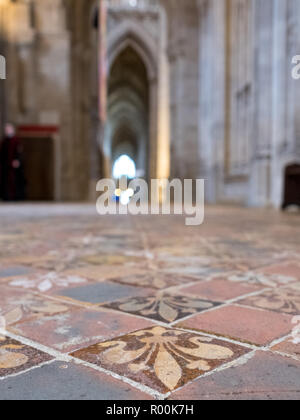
144	307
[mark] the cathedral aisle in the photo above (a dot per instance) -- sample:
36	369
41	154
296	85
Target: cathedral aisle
123	307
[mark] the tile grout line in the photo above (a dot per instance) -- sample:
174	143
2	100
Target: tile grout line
14	375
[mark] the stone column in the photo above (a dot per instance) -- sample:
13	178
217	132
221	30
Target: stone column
183	60
54	87
260	166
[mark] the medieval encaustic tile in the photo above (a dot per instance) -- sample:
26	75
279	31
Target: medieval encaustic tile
162	307
259	278
154	280
16	357
161	358
286	300
17	306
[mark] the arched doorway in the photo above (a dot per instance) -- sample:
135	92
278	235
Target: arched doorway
291	186
127	128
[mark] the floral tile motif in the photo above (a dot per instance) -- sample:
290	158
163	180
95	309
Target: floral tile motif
267	280
16	357
285	300
45	283
154	280
162	307
17	307
161	358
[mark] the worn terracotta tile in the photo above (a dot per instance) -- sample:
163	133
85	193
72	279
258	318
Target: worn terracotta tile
162	307
289	346
219	289
100	292
286	300
163	359
72	330
264	377
249	325
16	357
288	269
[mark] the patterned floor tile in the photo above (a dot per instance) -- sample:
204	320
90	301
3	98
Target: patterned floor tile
264	377
286	300
220	289
72	330
18	306
98	293
105	272
162	307
288	269
163	359
289	346
154	280
248	325
16	357
261	279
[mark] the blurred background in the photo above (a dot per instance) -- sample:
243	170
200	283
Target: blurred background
151	89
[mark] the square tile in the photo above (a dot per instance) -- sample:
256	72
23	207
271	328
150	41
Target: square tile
161	358
287	269
73	330
14	271
16	357
286	300
97	293
220	289
162	307
261	279
289	346
65	382
105	272
248	325
266	376
18	306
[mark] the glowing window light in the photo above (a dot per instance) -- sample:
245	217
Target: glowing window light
124	166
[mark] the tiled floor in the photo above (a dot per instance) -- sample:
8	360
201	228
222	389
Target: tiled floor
144	307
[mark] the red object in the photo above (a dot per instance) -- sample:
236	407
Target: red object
37	130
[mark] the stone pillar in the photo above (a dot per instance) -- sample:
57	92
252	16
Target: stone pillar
53	79
211	112
183	60
260	169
